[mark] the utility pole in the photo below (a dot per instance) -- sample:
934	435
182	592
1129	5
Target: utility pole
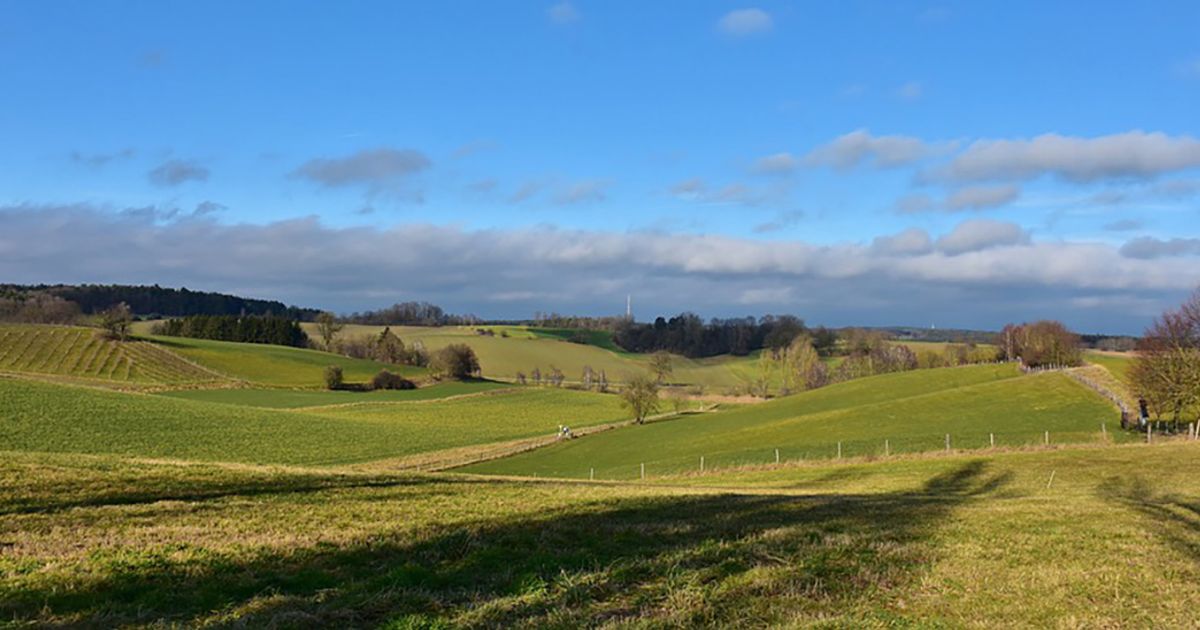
628	306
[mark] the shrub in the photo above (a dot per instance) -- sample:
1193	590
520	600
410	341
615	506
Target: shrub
456	360
334	377
390	380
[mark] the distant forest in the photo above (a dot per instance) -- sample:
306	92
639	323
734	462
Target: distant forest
156	301
245	329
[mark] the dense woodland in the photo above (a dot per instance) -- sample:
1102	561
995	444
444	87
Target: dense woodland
149	301
690	336
247	329
410	314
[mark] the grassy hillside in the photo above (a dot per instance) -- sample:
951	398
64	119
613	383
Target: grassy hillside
275	366
294	398
1117	363
526	348
53	418
969	541
913	411
83	353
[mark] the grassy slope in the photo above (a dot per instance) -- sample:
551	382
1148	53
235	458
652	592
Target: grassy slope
43	417
275	366
83	353
1116	363
525	349
295	399
913	410
977	541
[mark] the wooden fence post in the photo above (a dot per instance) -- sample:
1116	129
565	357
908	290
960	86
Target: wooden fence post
701	463
839	450
1047	439
776	456
887	448
592	475
947	442
992	438
643	471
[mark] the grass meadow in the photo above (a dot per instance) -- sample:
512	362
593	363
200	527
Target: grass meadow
46	417
911	411
959	541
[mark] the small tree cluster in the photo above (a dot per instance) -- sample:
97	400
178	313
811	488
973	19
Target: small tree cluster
1041	343
456	360
385	379
116	321
247	329
1166	372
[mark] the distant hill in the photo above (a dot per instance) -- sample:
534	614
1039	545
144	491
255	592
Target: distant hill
154	300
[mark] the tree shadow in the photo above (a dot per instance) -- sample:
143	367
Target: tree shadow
690	560
1176	519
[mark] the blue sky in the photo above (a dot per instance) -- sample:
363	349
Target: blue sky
958	164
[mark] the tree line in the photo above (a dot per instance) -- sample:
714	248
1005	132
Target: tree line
687	334
267	329
154	301
1166	369
410	314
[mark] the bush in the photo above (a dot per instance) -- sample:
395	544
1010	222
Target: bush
456	360
334	377
390	380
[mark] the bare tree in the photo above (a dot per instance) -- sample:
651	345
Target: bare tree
116	321
1166	371
328	328
660	366
641	397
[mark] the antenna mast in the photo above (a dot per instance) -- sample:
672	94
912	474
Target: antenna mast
628	306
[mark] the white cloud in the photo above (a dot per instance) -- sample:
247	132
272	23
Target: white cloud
176	172
382	168
743	22
777	163
859	147
563	13
1133	154
1148	247
981	197
910	242
981	234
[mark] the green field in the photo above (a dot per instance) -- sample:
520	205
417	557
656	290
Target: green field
295	398
962	541
70	351
912	411
276	366
528	348
46	417
1116	363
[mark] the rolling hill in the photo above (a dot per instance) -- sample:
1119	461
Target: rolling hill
911	411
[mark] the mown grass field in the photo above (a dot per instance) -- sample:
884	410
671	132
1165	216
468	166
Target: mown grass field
83	353
295	398
44	417
976	540
276	366
904	412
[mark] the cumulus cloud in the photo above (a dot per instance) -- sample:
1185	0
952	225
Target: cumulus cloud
1129	155
980	234
377	169
302	261
776	164
1148	247
910	242
743	22
563	13
859	147
176	172
981	197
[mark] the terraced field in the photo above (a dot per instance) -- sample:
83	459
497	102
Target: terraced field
894	413
83	353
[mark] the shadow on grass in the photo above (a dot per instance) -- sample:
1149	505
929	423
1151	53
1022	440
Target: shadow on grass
144	492
708	560
1176	520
